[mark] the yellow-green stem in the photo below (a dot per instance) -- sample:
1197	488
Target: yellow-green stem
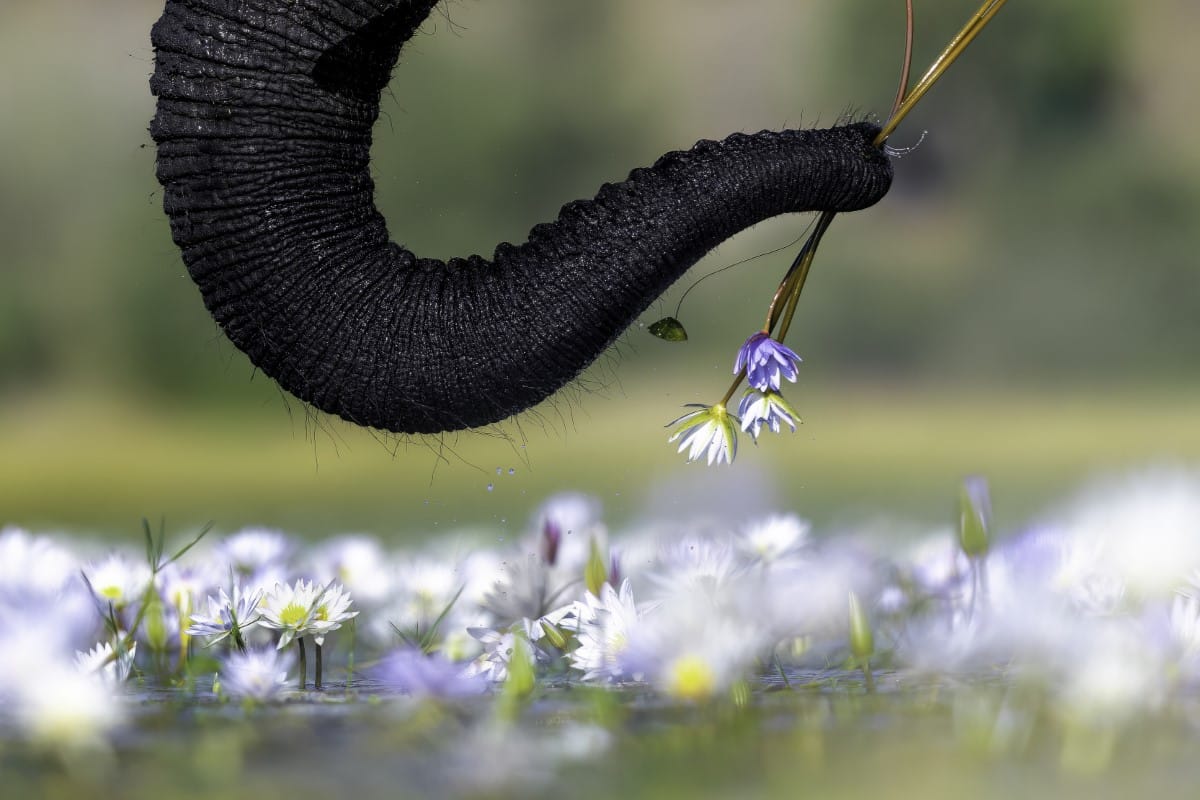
737	381
801	267
303	663
942	63
906	64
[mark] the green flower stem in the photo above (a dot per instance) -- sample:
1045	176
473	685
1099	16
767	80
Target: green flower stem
303	663
906	65
797	274
737	381
317	674
942	63
793	282
868	675
238	641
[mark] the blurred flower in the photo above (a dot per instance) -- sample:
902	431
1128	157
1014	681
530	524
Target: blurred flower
602	626
1112	678
862	640
104	663
360	564
1145	532
182	587
259	674
975	517
227	617
564	524
693	563
427	601
57	705
528	590
698	643
1185	626
766	361
118	580
759	408
33	565
253	551
499	647
412	672
774	538
709	429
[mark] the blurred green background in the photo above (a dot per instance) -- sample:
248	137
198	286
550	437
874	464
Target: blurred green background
1024	304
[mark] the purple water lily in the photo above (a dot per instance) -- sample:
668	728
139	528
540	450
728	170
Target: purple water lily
766	361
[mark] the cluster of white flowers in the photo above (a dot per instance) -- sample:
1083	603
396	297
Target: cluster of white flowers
1100	600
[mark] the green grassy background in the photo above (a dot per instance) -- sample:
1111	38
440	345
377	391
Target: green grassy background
864	451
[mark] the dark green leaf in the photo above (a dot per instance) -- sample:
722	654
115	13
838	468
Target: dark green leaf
669	329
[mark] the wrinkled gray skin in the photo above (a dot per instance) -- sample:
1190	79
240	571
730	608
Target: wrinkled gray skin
263	125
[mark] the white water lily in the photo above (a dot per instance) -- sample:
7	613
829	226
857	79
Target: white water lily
602	626
305	609
118	580
710	430
33	564
102	662
227	616
768	408
258	674
774	538
66	707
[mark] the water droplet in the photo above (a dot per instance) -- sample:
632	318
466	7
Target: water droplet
491	487
512	471
499	470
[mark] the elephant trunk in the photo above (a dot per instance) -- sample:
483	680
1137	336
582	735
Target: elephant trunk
263	126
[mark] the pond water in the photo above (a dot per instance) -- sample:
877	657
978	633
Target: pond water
830	740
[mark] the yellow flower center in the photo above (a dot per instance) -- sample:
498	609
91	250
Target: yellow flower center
293	615
111	593
691	678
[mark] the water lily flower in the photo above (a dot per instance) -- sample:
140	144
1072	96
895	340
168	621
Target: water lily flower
101	661
527	589
61	706
766	361
563	525
258	555
759	408
227	617
305	609
33	565
710	429
774	538
360	564
694	647
258	674
499	648
602	626
118	580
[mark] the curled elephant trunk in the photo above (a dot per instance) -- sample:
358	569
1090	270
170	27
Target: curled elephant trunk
263	125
